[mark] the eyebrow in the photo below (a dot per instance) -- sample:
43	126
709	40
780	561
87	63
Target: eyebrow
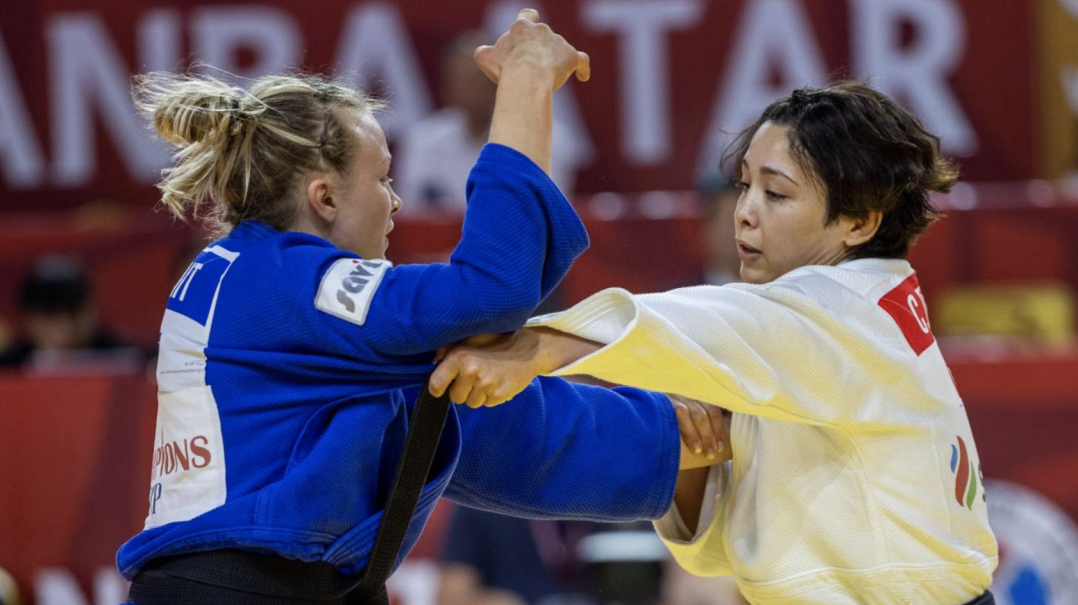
769	170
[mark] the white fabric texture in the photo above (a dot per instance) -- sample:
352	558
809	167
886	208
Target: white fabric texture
841	489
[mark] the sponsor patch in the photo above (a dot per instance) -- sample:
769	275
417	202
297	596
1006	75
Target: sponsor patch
188	474
349	286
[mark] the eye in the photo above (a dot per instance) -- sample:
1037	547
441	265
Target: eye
387	181
773	195
742	185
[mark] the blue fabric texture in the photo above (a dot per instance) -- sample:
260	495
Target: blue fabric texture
313	408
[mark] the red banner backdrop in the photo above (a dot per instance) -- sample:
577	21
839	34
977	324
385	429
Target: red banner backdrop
668	75
74	462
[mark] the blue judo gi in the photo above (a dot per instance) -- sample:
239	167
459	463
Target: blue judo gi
288	367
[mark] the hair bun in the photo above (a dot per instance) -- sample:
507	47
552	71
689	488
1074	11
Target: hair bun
196	117
185	110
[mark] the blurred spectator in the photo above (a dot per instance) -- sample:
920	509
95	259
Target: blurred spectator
626	561
682	588
5	334
491	559
9	594
718	198
60	319
437	153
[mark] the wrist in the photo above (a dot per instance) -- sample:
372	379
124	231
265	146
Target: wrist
556	350
526	71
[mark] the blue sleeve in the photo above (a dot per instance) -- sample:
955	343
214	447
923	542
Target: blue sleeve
570	451
520	237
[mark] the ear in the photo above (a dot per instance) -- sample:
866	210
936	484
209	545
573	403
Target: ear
861	230
321	203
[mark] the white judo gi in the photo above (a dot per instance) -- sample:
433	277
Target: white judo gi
855	479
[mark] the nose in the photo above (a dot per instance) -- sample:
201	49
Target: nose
397	203
745	212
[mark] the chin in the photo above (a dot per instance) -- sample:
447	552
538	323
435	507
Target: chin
752	275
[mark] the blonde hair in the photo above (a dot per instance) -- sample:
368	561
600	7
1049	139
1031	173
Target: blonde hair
242	151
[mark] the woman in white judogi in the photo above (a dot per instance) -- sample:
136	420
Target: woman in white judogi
854	477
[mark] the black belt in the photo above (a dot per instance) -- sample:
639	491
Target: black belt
985	599
241	578
232	577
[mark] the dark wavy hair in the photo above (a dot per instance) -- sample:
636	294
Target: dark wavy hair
866	154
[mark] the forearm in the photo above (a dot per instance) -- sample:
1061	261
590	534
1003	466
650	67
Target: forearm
523	112
555	349
689	495
698	543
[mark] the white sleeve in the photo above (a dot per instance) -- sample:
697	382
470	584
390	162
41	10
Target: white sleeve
702	553
766	351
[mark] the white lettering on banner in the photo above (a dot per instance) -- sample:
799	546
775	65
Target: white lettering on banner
581	148
645	68
917	74
20	151
159	40
375	42
87	72
58	586
772	33
218	32
88	79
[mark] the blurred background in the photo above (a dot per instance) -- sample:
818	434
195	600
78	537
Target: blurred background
86	262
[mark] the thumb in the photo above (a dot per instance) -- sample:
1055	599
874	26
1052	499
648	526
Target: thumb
443	376
529	14
484	59
583	67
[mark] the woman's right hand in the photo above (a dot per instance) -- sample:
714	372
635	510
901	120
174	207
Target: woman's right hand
705	431
531	44
486	371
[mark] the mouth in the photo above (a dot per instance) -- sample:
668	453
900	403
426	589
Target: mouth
747	252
